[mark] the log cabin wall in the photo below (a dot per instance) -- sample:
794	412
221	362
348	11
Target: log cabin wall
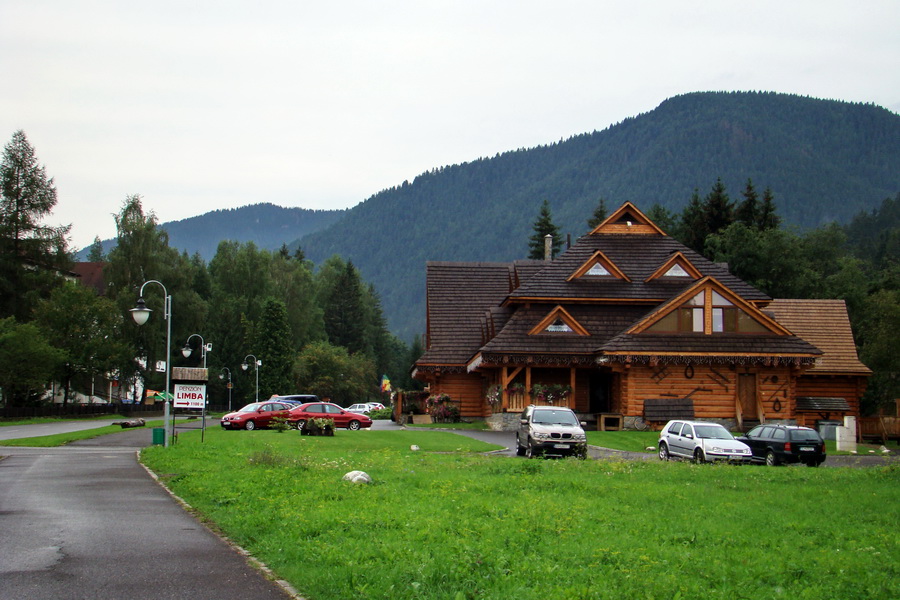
467	389
849	388
713	388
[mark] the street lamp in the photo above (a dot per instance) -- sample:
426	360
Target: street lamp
140	313
246	366
186	351
222	376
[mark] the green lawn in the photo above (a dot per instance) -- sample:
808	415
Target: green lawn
446	522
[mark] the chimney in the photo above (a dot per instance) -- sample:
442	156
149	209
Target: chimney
548	247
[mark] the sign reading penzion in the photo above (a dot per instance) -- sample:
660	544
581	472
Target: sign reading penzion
190	395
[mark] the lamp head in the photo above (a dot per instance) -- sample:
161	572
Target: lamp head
140	313
186	351
245	366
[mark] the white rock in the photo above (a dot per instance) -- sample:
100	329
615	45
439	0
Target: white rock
650	448
884	450
414	448
357	477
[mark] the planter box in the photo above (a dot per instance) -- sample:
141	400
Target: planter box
421	419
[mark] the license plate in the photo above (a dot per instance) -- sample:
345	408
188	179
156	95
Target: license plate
560	446
807	449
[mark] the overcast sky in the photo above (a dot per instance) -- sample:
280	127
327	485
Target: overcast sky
200	105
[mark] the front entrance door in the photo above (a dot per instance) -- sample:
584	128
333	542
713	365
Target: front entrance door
747	396
600	385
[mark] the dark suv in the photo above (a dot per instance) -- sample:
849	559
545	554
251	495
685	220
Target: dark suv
775	444
551	431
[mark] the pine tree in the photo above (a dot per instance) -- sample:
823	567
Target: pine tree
343	311
599	215
693	230
768	218
748	210
275	350
718	210
96	252
30	253
542	227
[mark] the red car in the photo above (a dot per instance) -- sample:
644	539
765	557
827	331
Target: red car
326	410
256	415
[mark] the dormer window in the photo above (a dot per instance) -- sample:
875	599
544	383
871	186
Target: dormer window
559	326
598	269
676	271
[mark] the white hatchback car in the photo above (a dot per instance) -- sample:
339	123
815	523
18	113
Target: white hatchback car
701	442
360	409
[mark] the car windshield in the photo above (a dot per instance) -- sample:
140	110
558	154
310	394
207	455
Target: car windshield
804	435
554	417
712	432
250	408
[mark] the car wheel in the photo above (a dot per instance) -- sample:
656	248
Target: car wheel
249	425
663	452
300	424
771	459
353	425
529	449
520	449
698	456
812	464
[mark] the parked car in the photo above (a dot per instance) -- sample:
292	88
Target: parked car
296	399
375	405
256	415
326	410
701	442
551	431
360	408
775	444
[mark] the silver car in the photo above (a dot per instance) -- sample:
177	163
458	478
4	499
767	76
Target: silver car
550	431
701	442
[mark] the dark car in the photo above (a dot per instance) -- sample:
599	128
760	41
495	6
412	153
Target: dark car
299	415
256	415
776	444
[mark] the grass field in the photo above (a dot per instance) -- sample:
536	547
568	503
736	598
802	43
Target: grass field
446	522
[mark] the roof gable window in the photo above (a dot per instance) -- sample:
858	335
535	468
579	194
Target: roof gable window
598	266
708	312
557	322
677	267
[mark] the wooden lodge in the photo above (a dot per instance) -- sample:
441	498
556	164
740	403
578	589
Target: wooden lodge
630	328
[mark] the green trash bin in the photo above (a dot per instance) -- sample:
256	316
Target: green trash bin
159	435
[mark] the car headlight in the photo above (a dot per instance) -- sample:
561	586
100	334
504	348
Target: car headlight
718	449
539	435
580	437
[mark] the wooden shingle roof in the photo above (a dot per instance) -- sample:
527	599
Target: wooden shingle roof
638	257
825	324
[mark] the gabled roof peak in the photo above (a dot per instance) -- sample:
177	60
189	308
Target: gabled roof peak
627	219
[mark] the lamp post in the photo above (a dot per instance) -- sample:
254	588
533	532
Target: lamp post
246	366
204	347
222	376
186	352
140	313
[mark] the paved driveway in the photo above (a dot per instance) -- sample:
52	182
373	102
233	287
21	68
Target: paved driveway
86	521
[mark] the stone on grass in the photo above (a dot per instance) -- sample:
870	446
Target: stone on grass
358	477
414	448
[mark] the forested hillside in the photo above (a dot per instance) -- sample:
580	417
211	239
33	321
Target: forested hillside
266	225
823	160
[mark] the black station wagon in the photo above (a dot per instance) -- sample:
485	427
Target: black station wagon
777	444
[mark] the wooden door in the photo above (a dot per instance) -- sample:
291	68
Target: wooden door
747	396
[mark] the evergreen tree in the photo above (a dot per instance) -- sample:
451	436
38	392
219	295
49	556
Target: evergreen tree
599	215
544	226
275	350
31	254
748	210
96	252
693	230
663	218
718	210
343	309
768	218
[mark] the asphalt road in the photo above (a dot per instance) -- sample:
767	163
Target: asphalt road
86	521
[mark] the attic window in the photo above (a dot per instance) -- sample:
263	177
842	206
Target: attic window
598	269
724	317
676	271
559	326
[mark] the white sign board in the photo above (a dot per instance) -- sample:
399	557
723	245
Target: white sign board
190	395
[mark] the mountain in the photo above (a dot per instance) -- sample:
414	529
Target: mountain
824	160
266	225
